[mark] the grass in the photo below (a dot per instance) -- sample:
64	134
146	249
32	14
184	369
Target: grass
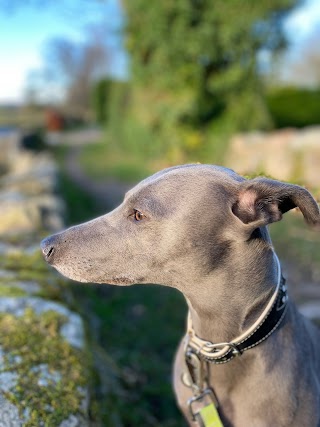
139	329
80	205
22	117
100	161
131	162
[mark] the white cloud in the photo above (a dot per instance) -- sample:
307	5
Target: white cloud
303	20
13	73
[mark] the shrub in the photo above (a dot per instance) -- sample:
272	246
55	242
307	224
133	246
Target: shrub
294	107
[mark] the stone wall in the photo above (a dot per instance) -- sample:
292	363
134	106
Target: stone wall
43	361
288	154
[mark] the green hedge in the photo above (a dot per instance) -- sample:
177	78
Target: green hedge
294	107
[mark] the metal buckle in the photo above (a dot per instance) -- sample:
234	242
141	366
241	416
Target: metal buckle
207	393
233	348
236	351
215	348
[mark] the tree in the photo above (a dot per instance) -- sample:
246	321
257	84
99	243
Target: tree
194	62
75	66
303	69
71	66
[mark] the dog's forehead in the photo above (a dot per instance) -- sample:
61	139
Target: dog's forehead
186	178
195	170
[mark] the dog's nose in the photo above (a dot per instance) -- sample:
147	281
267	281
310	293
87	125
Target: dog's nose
48	248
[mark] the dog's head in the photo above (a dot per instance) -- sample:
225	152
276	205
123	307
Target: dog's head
183	220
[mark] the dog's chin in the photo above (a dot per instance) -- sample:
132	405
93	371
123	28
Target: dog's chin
71	274
81	277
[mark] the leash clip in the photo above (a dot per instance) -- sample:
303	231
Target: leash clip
196	372
207	397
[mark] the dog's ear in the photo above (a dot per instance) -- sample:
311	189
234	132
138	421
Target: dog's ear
262	201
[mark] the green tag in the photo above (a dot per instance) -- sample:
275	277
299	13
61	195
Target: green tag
210	416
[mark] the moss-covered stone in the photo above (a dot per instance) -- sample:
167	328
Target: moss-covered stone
27	265
22	259
44	365
11	291
51	374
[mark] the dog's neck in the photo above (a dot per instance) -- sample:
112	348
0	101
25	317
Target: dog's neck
231	299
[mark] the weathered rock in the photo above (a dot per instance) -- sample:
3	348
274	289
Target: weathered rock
74	421
19	288
9	414
27	161
28	183
289	155
72	330
8	249
9	149
286	154
20	213
278	161
310	165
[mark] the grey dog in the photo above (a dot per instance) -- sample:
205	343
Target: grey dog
202	230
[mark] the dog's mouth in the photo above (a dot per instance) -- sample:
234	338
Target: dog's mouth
84	271
83	277
119	281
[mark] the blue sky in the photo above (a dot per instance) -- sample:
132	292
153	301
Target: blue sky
25	29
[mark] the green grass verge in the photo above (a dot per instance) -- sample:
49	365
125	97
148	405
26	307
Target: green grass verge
102	161
80	206
135	159
139	329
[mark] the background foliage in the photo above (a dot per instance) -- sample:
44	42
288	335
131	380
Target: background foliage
194	70
294	107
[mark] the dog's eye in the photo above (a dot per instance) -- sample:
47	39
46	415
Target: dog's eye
137	215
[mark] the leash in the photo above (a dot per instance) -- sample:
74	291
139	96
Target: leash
199	353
